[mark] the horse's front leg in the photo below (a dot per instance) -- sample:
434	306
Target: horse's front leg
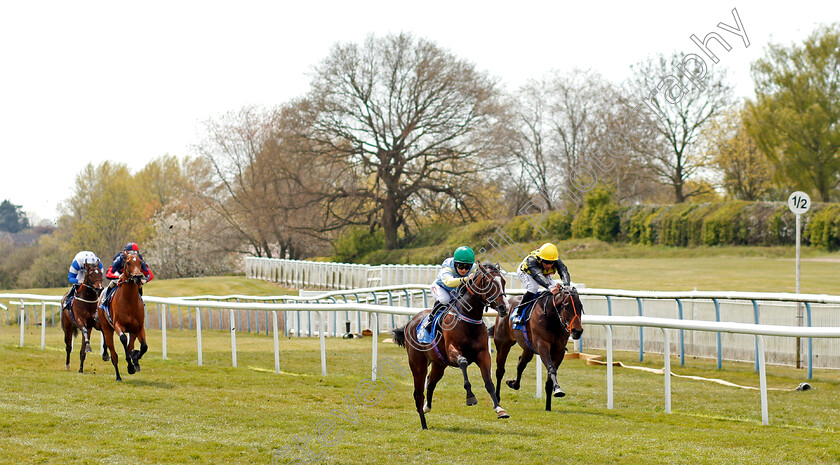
84	349
86	333
108	336
135	354
484	365
463	363
552	387
124	341
131	355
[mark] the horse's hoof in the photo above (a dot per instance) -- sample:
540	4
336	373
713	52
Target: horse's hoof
67	367
136	366
88	349
119	379
471	401
558	392
502	414
512	384
130	369
426	408
106	358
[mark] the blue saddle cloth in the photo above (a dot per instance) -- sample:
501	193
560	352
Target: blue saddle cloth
425	337
519	317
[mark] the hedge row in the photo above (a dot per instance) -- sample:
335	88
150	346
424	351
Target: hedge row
733	222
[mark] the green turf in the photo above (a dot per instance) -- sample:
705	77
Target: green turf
174	411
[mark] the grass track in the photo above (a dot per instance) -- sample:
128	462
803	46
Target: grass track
176	412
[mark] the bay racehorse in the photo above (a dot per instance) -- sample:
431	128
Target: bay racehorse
126	314
462	339
80	315
553	318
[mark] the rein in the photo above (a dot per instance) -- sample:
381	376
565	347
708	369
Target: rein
484	303
567	326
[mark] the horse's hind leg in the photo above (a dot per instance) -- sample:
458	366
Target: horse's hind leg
462	362
524	359
434	376
418	370
68	343
502	351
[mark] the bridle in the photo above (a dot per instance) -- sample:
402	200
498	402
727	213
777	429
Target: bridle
92	288
563	294
482	292
136	278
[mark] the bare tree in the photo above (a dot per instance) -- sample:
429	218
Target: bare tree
410	117
680	107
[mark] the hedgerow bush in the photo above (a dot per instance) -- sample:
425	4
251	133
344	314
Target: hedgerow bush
823	228
599	217
731	222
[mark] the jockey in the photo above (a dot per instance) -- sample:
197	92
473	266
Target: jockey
536	269
116	269
453	272
76	274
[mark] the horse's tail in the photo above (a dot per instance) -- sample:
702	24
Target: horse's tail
399	336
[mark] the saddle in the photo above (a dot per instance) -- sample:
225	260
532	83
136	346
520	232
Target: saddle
425	337
520	315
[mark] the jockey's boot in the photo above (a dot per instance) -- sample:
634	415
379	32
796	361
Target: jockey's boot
435	310
526	299
108	292
68	302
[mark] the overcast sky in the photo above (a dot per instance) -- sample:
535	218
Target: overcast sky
130	81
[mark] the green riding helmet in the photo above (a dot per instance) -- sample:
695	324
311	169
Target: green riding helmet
464	255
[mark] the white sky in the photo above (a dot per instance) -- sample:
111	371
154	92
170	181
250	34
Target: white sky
128	82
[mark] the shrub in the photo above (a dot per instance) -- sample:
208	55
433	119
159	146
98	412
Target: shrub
599	217
558	225
823	228
725	225
357	241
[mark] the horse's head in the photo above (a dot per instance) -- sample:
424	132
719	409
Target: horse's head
489	284
133	268
93	276
570	310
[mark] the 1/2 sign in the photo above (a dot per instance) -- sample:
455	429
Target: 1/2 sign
799	202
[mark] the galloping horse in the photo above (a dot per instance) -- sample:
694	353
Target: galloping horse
127	315
553	318
464	340
80	316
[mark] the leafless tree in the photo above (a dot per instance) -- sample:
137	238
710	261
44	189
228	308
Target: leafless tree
679	107
412	120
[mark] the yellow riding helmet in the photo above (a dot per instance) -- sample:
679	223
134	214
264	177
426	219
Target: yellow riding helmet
548	252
